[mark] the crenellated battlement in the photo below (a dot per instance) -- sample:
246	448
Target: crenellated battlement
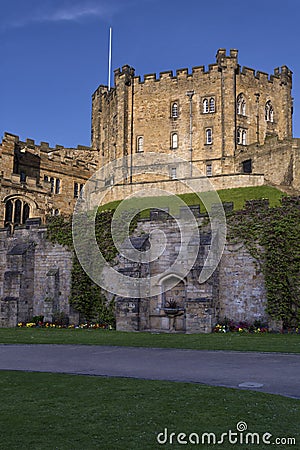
280	74
223	61
82	155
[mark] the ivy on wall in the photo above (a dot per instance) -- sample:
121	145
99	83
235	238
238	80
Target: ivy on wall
86	297
272	236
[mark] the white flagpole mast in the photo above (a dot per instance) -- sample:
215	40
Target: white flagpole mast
109	57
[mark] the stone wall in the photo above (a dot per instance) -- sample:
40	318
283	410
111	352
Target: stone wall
278	160
35	277
236	289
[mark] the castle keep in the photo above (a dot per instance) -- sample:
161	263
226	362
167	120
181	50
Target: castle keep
206	117
233	124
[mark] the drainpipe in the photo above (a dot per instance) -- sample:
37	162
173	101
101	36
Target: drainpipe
131	132
190	95
257	117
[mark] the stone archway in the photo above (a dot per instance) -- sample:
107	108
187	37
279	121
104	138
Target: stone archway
173	302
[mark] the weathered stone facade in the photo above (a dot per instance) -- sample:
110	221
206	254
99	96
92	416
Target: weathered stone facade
206	117
235	290
35	277
36	180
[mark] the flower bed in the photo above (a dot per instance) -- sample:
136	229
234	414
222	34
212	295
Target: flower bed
229	326
71	326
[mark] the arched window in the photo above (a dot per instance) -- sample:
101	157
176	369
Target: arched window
211	105
140	144
241	105
208	133
241	136
269	112
174	140
16	212
205	106
174	110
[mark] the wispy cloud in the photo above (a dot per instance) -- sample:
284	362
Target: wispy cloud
70	11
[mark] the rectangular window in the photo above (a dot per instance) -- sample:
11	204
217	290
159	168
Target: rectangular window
208	170
173	173
247	166
76	190
57	186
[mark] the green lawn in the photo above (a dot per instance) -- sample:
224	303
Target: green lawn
236	195
215	341
64	412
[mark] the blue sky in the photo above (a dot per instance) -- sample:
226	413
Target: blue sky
54	52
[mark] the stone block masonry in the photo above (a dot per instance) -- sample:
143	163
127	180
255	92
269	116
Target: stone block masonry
35	277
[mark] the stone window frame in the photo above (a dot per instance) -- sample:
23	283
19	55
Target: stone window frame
57	189
208	104
174	140
241	105
174	109
140	144
208	169
55	184
209	136
241	136
24	212
173	173
269	112
76	190
78	187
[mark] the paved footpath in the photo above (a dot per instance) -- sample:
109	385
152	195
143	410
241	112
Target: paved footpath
275	373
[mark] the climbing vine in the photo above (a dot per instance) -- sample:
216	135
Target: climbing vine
86	297
272	236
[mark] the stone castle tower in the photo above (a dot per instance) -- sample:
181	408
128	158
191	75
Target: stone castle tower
206	117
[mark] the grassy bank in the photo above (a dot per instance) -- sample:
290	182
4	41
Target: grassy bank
54	411
236	195
216	341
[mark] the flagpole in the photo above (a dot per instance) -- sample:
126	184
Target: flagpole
109	57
